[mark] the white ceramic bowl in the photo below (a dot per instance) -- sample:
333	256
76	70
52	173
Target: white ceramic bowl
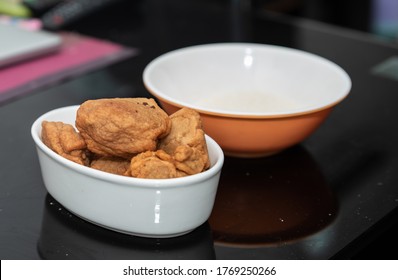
142	207
254	99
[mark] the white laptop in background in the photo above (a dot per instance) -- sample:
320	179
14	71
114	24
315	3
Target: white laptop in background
17	44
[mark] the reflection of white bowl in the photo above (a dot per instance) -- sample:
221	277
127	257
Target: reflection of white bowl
65	236
143	207
254	99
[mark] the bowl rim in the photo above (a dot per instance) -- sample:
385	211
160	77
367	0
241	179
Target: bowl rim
120	179
346	89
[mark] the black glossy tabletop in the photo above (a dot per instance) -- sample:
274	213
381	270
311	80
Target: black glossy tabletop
327	197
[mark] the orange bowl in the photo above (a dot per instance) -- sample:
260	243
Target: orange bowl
254	99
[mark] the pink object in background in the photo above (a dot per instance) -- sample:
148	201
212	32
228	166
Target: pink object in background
77	55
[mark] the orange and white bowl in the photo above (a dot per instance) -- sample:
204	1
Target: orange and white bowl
254	99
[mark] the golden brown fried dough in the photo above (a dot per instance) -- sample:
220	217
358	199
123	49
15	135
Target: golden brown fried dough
186	142
153	165
112	165
64	140
122	127
132	137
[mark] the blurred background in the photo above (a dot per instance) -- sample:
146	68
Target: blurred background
379	17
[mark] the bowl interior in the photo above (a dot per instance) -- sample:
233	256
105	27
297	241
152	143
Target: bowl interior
246	79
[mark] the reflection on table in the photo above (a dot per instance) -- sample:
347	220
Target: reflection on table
65	236
271	201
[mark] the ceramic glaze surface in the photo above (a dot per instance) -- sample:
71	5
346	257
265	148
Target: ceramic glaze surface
255	99
144	207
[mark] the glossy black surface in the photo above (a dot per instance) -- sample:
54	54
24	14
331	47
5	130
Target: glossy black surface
329	197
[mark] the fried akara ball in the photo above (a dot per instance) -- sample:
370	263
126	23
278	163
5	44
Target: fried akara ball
64	140
122	127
